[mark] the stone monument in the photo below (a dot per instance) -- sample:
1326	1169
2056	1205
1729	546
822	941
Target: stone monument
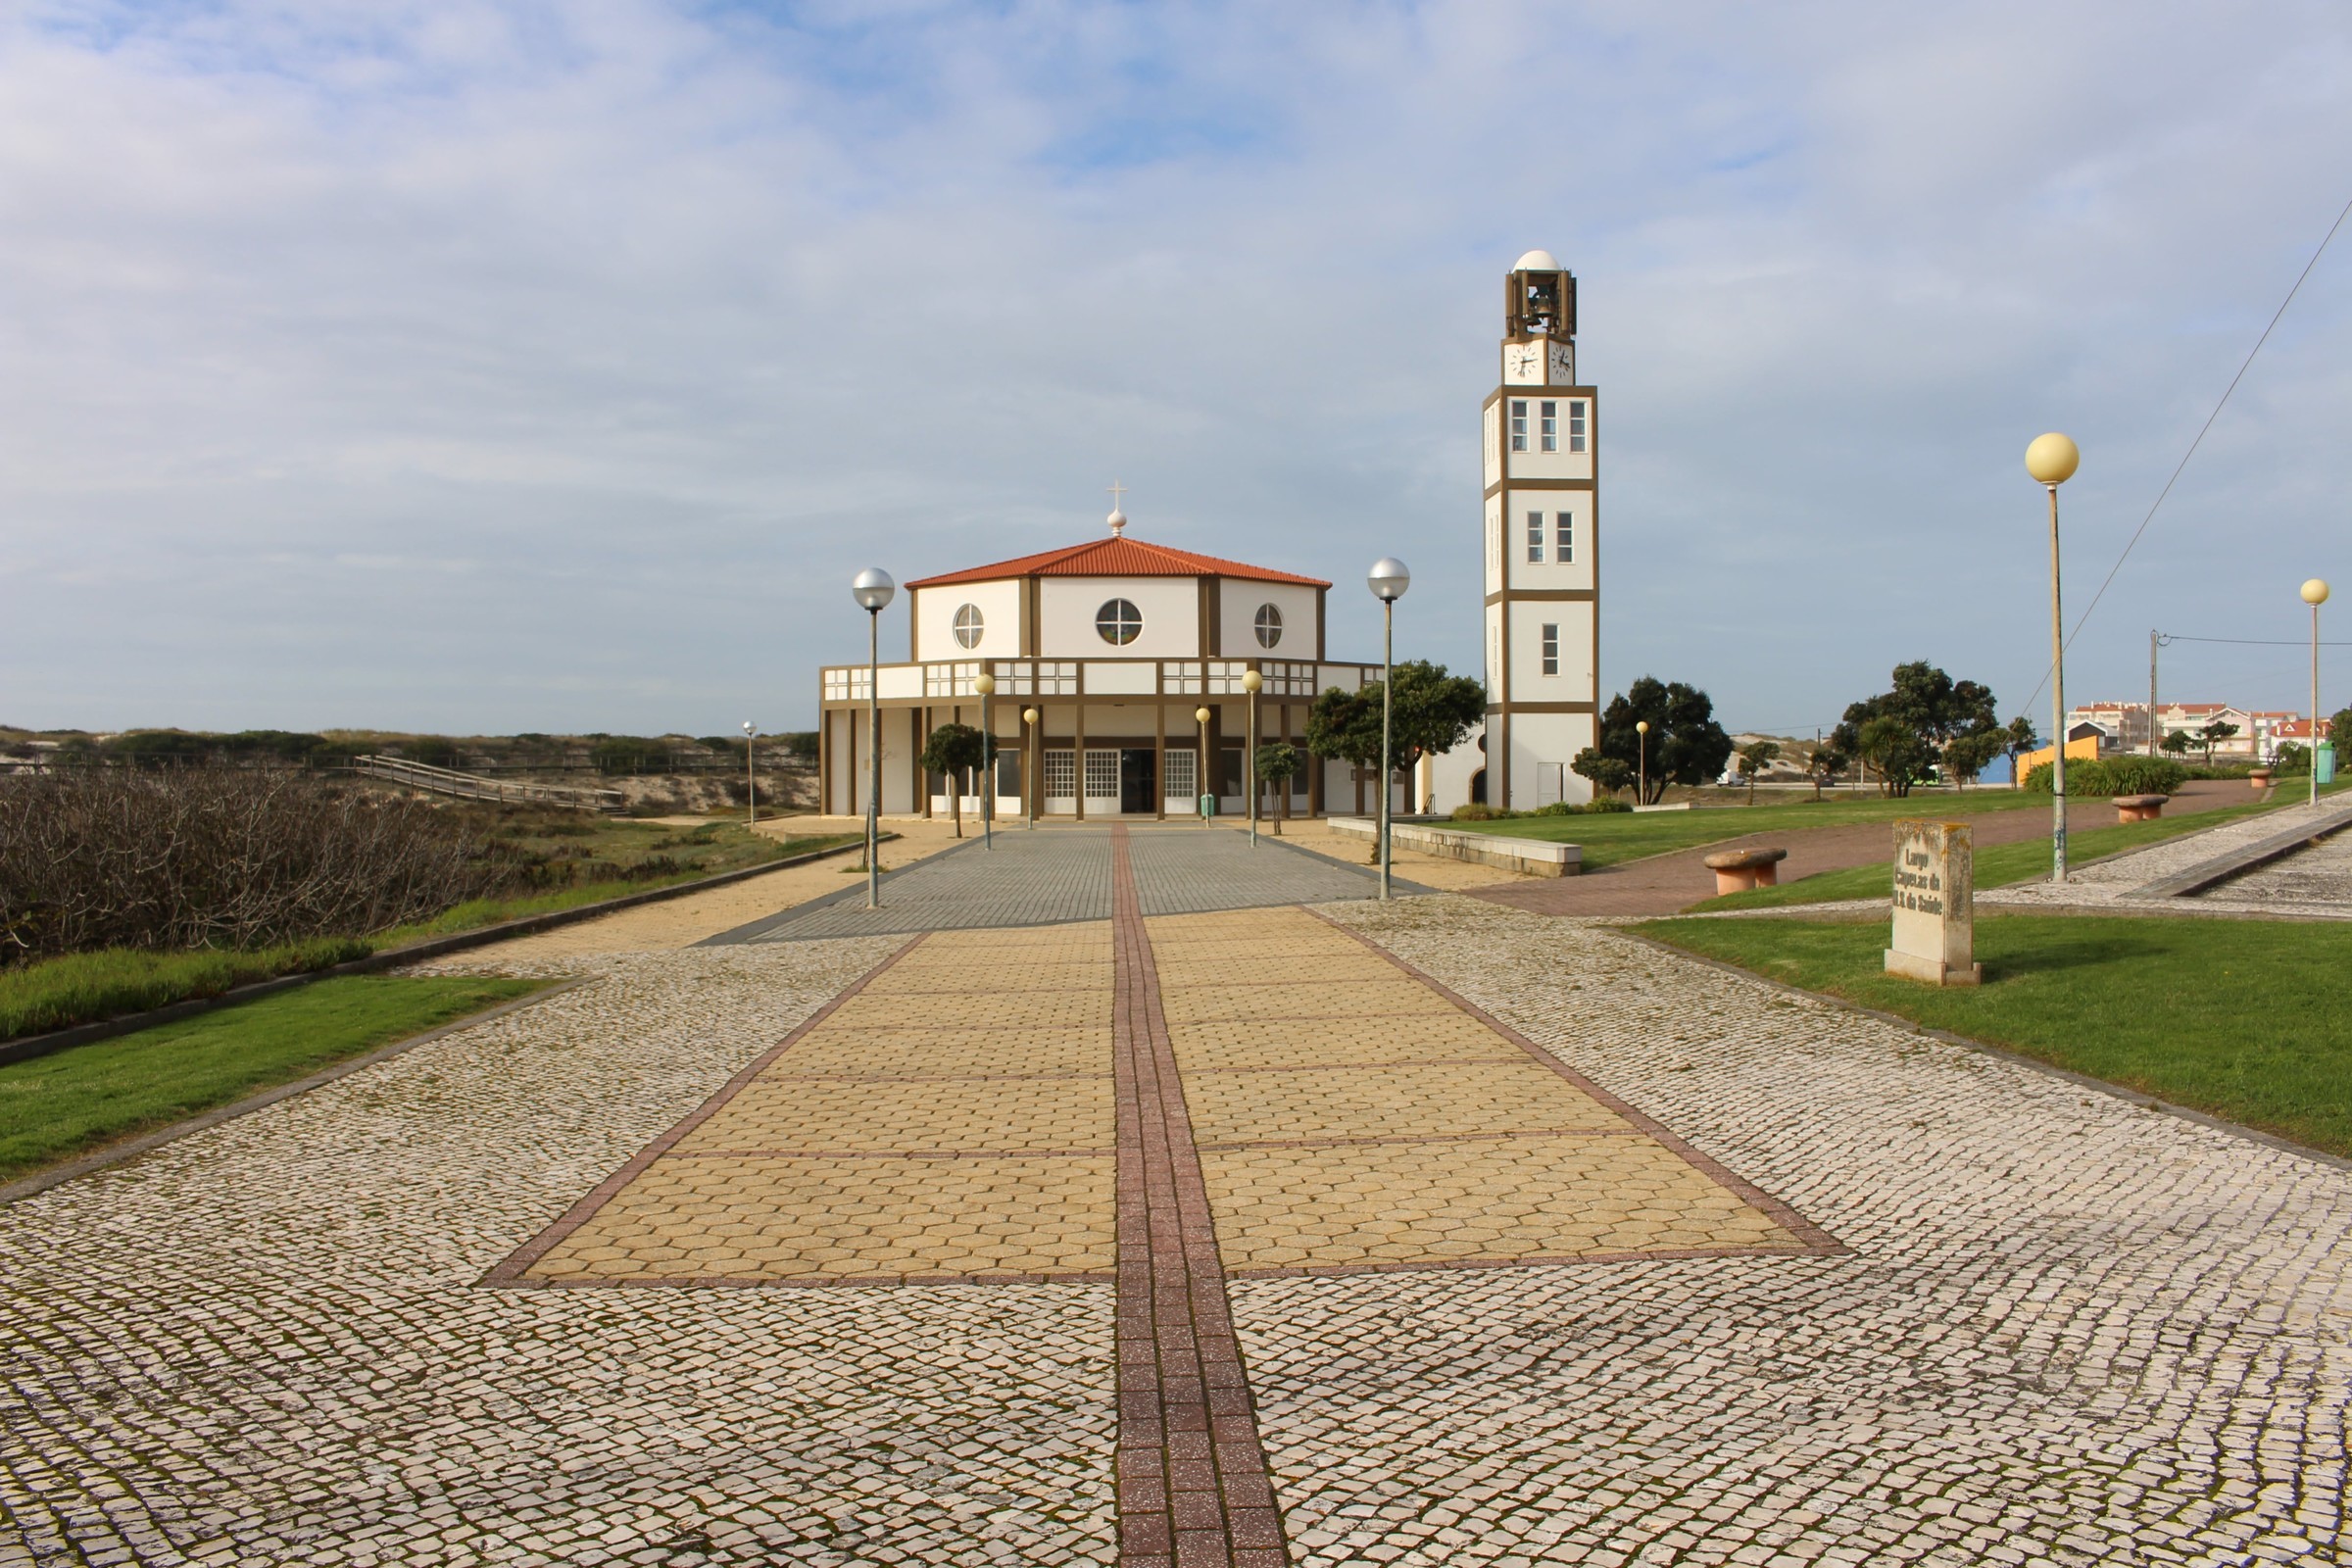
1934	909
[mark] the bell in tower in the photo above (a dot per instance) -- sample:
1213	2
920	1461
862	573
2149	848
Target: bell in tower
1539	299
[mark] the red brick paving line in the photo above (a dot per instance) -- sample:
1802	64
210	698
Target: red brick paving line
512	1272
1194	1491
1812	1237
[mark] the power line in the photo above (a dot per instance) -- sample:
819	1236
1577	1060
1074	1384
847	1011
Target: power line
2199	441
2169	638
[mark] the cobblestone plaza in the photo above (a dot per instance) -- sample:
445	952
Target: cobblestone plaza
1136	1197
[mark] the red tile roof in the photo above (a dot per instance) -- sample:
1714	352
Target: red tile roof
1117	557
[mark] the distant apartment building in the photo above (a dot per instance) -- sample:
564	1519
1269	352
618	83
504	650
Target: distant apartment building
2297	730
2123	727
2193	717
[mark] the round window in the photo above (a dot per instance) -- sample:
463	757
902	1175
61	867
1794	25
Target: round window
1119	622
969	625
1270	625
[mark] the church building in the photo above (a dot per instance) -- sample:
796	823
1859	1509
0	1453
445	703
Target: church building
1104	654
1107	654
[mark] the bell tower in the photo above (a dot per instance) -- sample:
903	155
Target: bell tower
1540	438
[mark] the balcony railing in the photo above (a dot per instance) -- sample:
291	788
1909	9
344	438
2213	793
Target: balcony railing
953	680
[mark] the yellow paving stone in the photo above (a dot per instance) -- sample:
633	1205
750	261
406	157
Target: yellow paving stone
1396	996
1076	937
1401	1204
1246	1043
1047	1010
1252	968
1015	1114
969	972
777	1219
938	1052
1392	1101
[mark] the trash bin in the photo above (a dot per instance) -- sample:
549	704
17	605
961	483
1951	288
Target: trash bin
2322	759
1209	805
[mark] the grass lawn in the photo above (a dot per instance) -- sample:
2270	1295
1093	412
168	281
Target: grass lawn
2000	865
1996	864
69	1103
615	856
1612	837
2250	1020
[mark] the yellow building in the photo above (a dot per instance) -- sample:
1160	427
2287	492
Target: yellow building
2084	748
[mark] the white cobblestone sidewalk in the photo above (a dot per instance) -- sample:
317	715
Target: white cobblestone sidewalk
265	1345
2068	1330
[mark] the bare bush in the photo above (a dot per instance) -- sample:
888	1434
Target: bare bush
217	858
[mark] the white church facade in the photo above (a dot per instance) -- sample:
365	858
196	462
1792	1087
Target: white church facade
1104	654
1115	646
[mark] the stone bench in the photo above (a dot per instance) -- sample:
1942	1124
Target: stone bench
2139	808
1738	871
2260	779
1528	856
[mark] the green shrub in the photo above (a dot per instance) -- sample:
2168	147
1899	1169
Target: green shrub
1475	813
2093	777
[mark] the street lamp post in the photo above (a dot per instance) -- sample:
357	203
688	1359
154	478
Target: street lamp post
1033	773
1252	683
2315	594
2051	459
1387	581
1641	761
873	589
751	768
1200	717
985	686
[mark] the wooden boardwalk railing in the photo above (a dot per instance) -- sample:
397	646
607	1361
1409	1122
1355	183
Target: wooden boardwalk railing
473	787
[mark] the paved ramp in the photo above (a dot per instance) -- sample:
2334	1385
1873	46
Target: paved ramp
1053	876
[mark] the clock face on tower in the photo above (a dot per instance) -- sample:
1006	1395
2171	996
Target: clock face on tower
1563	364
1523	363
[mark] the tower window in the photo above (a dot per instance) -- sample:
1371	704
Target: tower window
1548	428
1551	647
969	625
1534	536
1563	536
1270	625
1119	622
1518	424
1576	427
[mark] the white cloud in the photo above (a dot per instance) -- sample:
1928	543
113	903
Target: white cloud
542	367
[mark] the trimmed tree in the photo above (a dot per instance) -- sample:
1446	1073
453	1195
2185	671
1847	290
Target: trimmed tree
1277	762
2017	740
1825	765
2178	743
955	750
2213	734
1686	745
1967	756
1754	757
1433	713
1902	730
1606	774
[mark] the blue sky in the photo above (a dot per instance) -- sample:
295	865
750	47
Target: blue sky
553	367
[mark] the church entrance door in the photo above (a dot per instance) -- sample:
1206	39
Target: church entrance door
1137	769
